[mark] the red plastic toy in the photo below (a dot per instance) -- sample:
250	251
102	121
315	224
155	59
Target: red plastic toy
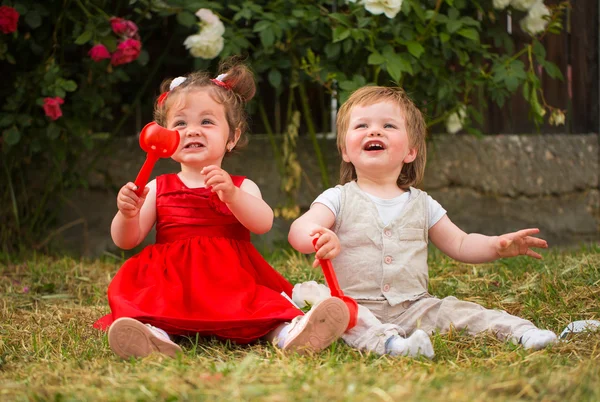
334	287
157	142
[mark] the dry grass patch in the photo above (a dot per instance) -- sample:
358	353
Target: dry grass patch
49	350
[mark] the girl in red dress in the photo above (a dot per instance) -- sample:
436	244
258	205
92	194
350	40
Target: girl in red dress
203	276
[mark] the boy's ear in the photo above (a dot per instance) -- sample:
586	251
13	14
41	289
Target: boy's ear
345	155
411	156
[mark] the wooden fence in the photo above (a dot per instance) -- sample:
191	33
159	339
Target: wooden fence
575	52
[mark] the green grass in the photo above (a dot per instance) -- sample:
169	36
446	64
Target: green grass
49	350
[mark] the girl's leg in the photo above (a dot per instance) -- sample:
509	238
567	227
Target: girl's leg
131	338
370	334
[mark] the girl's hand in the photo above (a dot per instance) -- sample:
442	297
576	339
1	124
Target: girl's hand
328	245
220	182
519	243
128	202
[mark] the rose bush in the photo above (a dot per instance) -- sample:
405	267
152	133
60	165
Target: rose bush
75	72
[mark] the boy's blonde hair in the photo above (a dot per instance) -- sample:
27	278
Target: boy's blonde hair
239	88
412	173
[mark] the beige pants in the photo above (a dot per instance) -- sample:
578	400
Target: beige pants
378	321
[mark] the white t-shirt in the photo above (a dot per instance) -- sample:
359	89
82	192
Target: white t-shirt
388	209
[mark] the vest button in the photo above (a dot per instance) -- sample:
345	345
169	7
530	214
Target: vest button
386	288
388	259
387	232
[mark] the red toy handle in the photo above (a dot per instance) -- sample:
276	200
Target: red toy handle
336	291
329	274
142	178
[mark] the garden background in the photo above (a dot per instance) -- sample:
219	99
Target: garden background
509	89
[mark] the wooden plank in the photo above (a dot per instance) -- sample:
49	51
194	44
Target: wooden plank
584	63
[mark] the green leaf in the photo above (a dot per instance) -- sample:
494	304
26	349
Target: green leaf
53	131
6	119
538	50
341	18
552	70
375	59
11	136
33	19
68	85
340	33
453	25
186	19
469	33
267	38
511	82
21	8
332	50
347	85
261	26
143	58
415	48
347	46
85	37
444	37
275	78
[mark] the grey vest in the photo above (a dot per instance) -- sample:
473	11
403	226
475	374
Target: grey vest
379	262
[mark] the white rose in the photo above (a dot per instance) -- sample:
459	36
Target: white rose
454	122
309	293
501	4
207	16
535	22
212	29
204	46
522	5
388	7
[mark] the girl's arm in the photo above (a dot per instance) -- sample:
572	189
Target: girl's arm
476	248
131	226
250	209
318	219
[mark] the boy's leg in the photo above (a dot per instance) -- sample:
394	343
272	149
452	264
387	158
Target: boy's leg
431	314
370	334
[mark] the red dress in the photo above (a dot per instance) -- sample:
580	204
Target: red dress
203	275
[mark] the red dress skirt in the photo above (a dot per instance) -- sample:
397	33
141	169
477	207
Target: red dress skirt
203	275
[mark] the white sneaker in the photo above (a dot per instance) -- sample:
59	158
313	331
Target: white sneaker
318	328
130	338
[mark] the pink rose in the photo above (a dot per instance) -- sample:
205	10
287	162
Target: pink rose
8	19
123	27
52	107
126	52
99	52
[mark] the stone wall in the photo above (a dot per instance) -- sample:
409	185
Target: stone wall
492	185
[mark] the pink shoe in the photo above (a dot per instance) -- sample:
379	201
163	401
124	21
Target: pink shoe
318	328
130	338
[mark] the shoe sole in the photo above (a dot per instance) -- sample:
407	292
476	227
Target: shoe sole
130	338
327	322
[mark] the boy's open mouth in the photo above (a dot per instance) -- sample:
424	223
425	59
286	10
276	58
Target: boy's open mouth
374	145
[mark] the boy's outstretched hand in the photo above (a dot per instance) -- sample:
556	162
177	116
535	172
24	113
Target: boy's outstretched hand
328	245
519	243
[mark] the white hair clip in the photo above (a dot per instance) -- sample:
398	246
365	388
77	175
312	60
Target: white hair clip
176	82
221	77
